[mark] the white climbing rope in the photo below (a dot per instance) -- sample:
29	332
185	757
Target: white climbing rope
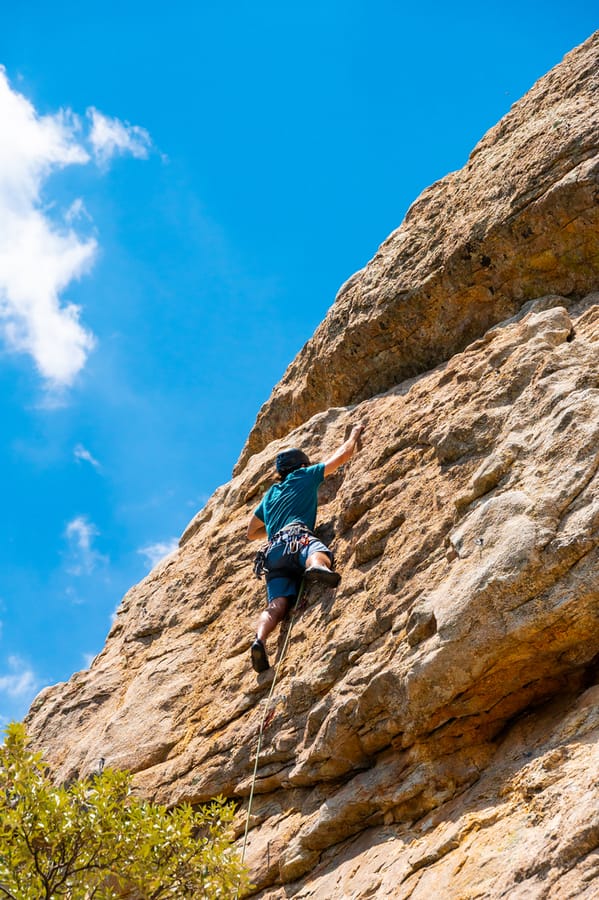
264	715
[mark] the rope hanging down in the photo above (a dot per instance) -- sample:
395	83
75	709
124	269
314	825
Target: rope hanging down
264	715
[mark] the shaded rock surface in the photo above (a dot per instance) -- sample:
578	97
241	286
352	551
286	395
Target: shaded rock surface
433	731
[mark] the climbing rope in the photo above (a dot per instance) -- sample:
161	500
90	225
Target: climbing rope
264	716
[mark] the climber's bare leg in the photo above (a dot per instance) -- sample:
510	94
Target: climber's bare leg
318	559
318	569
270	618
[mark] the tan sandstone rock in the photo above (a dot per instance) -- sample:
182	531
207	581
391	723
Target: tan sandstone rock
433	731
518	221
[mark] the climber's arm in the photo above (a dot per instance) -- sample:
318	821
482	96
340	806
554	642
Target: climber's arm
344	452
256	529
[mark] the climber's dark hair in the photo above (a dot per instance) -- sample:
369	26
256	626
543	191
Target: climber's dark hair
290	460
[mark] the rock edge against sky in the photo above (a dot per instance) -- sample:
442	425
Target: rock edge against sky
434	729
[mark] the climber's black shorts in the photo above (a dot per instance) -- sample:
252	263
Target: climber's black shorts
286	584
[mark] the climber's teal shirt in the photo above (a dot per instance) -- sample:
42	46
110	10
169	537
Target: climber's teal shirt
292	500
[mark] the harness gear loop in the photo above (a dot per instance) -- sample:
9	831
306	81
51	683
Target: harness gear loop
262	723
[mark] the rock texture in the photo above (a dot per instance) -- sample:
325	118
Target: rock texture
518	221
434	729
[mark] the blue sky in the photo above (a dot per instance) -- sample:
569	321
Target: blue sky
183	189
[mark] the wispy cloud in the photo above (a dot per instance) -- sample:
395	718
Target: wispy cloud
20	681
81	454
111	137
83	557
88	659
154	553
41	254
76	212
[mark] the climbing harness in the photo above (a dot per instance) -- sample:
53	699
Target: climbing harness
266	719
293	537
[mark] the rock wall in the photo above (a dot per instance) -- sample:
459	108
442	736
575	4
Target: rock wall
518	221
433	731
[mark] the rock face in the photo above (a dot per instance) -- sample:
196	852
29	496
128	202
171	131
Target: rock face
518	221
434	728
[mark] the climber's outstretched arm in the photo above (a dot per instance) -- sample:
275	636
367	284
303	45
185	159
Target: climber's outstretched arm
344	452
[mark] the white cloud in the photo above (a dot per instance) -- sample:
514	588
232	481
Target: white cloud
111	137
40	255
154	553
84	558
37	259
77	211
82	455
20	681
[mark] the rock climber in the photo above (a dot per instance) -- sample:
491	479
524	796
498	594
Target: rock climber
287	516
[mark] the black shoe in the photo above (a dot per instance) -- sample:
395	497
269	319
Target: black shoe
322	575
259	658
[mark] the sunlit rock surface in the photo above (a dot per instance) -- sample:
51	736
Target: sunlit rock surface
433	732
518	221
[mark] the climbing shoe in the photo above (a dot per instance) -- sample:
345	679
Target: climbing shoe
259	658
322	575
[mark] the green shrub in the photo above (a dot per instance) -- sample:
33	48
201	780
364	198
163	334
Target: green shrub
94	839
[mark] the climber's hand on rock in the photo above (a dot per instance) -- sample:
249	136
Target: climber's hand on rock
356	435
